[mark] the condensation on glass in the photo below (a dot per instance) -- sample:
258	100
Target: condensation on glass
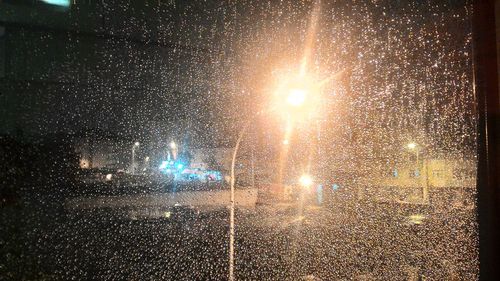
118	122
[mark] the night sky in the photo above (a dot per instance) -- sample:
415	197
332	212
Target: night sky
199	68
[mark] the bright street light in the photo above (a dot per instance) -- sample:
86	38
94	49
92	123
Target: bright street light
306	180
132	169
173	145
412	145
296	97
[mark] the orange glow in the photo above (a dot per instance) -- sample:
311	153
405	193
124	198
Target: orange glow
297	93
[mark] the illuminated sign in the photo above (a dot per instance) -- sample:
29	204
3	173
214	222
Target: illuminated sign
60	3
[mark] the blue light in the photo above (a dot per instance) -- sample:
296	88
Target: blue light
180	166
335	186
60	3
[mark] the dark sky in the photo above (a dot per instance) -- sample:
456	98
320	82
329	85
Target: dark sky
203	66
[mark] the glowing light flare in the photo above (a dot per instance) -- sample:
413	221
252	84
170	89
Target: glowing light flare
416	219
412	145
306	180
311	35
296	97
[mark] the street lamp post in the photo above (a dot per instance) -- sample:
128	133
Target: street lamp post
146	163
136	144
425	188
413	146
295	98
173	146
232	205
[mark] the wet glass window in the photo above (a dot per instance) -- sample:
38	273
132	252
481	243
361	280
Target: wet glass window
237	140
